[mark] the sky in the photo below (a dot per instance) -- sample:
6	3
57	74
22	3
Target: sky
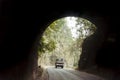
71	23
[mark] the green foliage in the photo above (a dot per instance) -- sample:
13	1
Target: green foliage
57	41
50	46
46	46
87	29
47	42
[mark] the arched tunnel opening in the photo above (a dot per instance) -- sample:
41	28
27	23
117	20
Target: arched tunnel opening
63	39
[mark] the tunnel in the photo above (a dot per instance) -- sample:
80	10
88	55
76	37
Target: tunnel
22	25
63	38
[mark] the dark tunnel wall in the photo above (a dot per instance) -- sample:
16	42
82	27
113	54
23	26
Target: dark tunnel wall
100	54
22	23
92	44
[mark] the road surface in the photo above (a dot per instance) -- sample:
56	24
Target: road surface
69	74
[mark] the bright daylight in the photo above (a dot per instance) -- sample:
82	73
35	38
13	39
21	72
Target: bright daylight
61	44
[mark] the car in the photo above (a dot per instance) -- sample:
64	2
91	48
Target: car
59	63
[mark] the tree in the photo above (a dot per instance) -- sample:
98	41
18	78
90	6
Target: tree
87	28
57	41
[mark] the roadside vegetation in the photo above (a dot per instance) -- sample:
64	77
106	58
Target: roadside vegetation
63	39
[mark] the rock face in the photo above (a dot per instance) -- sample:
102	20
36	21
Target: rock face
92	44
22	25
100	51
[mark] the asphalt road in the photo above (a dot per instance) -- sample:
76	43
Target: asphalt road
69	74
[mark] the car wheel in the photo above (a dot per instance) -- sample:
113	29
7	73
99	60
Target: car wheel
55	66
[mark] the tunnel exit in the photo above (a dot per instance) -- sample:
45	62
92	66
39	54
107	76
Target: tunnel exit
63	40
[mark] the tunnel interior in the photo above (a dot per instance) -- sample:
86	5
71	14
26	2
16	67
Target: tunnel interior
21	27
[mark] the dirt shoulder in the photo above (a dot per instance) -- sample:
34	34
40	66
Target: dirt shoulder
41	74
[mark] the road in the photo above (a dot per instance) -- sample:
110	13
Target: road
69	74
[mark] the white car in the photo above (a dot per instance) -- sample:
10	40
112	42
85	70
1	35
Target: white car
59	63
